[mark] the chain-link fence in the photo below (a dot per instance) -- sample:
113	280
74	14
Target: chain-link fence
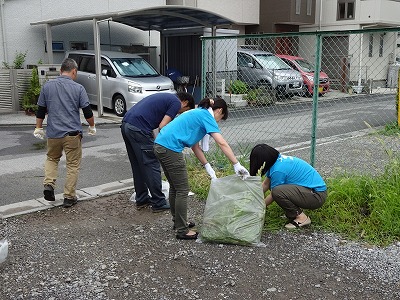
268	82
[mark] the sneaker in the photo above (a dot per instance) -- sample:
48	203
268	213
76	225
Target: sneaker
70	202
141	206
161	208
49	193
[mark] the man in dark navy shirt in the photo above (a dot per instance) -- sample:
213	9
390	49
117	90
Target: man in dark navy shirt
138	125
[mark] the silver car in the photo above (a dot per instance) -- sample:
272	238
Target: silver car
260	68
126	78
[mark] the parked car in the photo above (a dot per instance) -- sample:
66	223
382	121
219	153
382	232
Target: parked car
307	70
259	68
126	78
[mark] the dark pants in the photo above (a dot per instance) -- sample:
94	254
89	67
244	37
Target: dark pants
145	166
174	167
292	198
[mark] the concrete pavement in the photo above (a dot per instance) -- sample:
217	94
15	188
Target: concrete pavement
20	118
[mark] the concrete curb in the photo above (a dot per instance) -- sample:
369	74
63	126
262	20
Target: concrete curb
38	204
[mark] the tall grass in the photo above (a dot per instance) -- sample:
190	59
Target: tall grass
363	207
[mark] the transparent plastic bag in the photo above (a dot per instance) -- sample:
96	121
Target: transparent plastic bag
234	212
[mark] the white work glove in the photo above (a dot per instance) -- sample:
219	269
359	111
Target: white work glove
241	171
92	130
210	171
39	133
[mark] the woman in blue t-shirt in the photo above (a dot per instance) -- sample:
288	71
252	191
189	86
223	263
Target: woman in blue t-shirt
186	131
294	183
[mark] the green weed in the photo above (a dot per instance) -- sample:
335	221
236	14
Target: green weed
359	207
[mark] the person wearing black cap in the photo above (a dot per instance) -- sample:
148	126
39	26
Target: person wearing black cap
294	184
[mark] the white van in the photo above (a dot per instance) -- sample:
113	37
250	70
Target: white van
126	78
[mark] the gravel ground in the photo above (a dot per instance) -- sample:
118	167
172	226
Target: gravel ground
106	249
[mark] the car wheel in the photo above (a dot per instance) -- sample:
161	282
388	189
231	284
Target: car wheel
119	106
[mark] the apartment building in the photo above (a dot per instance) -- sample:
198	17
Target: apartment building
352	52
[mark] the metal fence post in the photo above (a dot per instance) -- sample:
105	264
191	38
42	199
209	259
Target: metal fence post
398	99
315	97
203	69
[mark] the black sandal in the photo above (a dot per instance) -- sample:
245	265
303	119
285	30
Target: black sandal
185	236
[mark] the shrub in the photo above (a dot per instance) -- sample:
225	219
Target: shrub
32	94
238	87
18	61
260	97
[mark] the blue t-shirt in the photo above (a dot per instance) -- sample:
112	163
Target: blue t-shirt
293	170
63	97
187	129
148	113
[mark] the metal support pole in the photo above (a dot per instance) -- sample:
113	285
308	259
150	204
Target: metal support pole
98	67
3	31
49	44
97	52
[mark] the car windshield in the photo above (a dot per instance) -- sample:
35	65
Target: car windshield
134	67
272	62
305	65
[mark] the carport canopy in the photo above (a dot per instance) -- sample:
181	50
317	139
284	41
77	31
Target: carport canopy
160	18
154	18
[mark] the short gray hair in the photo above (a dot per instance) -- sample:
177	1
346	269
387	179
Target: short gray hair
68	65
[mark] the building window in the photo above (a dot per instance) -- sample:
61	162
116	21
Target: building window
298	7
346	9
309	7
78	45
371	45
381	42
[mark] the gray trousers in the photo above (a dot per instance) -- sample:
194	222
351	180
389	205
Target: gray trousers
293	198
145	166
175	170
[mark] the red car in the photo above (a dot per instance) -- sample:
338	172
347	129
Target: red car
306	70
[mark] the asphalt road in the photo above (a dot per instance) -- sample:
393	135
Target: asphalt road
105	159
22	159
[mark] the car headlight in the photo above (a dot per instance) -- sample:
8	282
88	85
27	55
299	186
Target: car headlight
134	87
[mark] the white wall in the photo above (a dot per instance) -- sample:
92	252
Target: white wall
380	11
366	12
21	36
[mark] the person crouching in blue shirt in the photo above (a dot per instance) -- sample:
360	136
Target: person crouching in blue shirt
294	184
